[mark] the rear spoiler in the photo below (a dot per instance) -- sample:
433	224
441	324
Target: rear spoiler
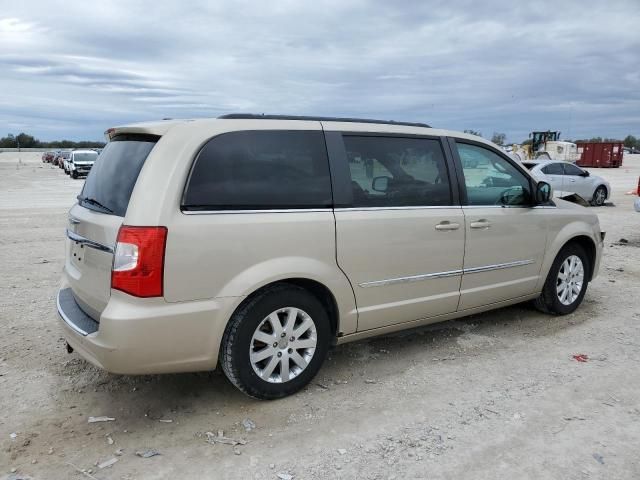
148	128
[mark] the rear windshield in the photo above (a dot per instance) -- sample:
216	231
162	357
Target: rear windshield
113	176
85	157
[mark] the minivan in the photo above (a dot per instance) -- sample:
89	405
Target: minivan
80	162
257	242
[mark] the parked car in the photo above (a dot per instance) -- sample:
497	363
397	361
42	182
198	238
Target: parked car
566	178
80	162
256	242
47	157
65	164
61	157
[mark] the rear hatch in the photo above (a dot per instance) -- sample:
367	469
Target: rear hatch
95	220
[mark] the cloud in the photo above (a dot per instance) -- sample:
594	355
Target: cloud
490	66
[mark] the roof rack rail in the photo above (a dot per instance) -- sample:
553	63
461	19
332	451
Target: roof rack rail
253	116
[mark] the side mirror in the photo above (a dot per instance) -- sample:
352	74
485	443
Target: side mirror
543	193
380	184
585	174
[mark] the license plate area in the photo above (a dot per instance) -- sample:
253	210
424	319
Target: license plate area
77	254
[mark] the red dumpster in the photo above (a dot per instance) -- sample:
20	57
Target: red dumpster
600	154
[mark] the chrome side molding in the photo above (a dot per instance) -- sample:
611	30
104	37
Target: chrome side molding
450	273
413	278
499	266
89	243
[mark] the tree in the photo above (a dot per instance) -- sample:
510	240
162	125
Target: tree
26	141
8	142
473	132
630	141
498	138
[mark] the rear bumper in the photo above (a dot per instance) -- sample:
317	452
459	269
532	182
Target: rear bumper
146	335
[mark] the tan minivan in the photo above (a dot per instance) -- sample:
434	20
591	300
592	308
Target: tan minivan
257	242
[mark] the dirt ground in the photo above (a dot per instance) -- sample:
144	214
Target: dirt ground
493	396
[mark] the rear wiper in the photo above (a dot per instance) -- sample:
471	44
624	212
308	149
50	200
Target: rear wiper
93	201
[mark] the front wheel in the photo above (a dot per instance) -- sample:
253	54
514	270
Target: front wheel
276	342
74	174
566	282
599	196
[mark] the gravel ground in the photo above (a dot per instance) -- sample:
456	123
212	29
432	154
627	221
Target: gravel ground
492	396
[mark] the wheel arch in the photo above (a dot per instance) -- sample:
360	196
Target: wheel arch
603	185
589	247
316	288
576	232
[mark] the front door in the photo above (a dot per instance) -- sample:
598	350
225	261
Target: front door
505	236
400	240
575	181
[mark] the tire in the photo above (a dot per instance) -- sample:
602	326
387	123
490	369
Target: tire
255	317
550	301
599	196
74	174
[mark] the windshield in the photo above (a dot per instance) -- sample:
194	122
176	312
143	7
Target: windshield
115	172
85	157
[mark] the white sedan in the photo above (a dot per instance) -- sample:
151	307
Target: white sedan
566	178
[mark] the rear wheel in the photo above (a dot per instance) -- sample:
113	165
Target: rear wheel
275	343
599	196
566	282
74	174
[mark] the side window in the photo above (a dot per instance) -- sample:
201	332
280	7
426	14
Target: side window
490	179
553	169
397	172
260	170
571	169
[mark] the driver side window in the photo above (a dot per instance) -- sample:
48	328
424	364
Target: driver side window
490	179
572	170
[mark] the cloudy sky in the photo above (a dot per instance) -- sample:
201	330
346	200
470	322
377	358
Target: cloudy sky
72	69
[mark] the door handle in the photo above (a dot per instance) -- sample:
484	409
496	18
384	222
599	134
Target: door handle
446	225
480	224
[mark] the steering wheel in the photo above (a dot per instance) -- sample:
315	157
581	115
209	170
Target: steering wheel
506	194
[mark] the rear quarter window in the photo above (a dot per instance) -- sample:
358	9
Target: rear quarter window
260	170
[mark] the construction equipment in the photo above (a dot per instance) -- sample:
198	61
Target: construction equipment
547	146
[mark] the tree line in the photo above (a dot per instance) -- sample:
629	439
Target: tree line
629	141
27	141
24	140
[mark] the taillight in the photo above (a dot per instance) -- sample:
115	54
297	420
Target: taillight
138	263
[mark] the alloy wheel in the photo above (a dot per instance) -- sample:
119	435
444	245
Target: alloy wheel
600	196
283	345
570	280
